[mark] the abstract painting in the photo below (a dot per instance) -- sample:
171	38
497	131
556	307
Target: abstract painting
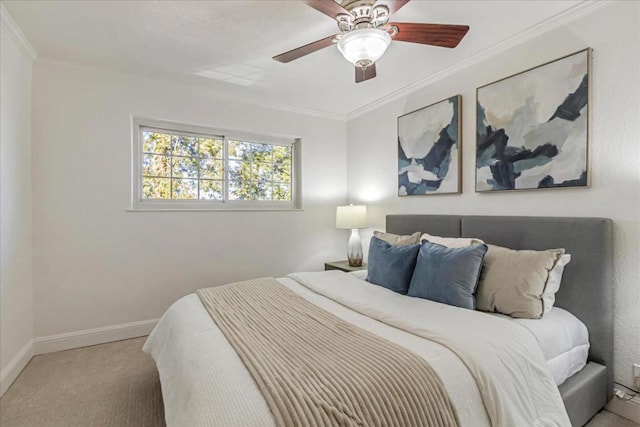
429	141
532	128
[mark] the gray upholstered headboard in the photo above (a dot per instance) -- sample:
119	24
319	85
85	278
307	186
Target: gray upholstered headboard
587	288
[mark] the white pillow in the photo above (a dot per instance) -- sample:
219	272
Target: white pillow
451	242
553	283
398	240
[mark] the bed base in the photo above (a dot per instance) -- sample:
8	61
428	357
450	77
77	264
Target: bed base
582	393
586	289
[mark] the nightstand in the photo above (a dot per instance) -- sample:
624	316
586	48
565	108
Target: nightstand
343	266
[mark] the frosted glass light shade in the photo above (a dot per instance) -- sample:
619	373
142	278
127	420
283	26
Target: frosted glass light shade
350	217
365	46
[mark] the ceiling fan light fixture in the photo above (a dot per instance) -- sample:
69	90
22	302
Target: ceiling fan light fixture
365	46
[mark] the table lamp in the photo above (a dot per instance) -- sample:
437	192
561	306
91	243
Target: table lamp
352	217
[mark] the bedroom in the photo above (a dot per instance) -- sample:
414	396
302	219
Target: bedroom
80	267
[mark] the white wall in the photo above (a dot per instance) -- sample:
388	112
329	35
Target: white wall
96	264
16	285
615	192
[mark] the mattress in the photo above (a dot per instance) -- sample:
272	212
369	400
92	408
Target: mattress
563	339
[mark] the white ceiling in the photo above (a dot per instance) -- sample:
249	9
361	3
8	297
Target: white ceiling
184	40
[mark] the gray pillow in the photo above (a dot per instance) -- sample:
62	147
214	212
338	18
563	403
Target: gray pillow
391	266
448	275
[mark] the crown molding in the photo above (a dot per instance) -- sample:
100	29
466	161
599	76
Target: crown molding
205	90
585	8
9	26
289	108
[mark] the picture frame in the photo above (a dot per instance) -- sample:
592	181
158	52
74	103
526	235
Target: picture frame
532	129
429	149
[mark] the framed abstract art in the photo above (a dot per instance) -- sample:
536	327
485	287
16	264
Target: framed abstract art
533	127
429	141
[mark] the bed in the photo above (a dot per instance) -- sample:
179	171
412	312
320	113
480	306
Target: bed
204	382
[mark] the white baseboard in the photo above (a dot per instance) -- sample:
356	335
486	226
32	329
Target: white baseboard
88	337
17	364
68	341
629	409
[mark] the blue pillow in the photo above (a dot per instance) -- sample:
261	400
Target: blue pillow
391	266
448	275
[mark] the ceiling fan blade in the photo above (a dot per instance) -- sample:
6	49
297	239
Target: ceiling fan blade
366	74
305	50
433	34
328	7
392	5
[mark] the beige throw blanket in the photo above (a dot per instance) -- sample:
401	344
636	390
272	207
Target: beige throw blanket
504	358
315	369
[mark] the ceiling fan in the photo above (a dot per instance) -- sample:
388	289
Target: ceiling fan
366	33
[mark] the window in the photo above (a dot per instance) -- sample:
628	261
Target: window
189	167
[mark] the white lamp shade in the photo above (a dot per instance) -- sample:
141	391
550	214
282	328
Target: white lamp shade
350	217
365	46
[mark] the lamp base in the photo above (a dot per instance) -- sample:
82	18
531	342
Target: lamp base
354	252
355	262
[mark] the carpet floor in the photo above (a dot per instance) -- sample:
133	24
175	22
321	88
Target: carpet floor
114	385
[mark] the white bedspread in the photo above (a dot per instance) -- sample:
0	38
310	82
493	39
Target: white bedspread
204	382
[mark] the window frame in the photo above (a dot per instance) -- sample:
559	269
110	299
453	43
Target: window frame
138	124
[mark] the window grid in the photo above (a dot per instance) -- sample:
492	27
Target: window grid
254	176
174	139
